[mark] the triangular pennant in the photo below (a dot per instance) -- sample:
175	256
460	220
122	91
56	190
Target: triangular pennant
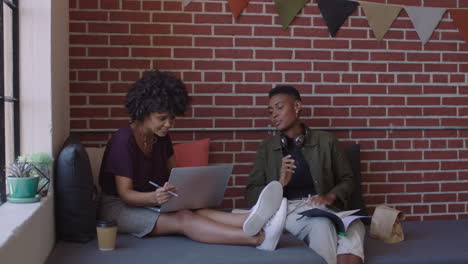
237	6
186	2
460	19
335	12
288	9
425	20
380	17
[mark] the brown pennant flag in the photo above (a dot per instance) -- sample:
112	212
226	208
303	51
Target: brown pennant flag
380	16
237	6
460	19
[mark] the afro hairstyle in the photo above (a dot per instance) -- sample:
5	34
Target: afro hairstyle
154	92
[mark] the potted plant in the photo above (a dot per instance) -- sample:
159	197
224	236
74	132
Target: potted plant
21	184
41	163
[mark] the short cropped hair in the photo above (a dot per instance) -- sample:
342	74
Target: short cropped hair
293	92
154	92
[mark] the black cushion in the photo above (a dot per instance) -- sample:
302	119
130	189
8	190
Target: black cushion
354	156
75	206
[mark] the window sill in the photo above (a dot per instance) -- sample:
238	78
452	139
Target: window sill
14	216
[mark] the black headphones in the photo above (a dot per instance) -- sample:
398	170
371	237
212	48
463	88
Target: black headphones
298	140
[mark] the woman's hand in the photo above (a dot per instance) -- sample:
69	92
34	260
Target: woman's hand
161	195
318	200
287	170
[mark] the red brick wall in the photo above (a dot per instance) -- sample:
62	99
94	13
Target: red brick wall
354	86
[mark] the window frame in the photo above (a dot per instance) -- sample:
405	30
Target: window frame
13	5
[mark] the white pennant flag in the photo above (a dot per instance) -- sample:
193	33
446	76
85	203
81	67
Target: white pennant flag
186	2
425	20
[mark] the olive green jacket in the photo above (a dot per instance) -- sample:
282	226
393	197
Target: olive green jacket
328	165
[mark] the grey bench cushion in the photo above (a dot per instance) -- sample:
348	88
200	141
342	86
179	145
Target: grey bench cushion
427	242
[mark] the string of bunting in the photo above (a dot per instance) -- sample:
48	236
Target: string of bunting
379	16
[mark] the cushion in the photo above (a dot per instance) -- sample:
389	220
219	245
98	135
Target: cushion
193	153
75	203
95	157
354	156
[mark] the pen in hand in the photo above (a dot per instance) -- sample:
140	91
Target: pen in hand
159	186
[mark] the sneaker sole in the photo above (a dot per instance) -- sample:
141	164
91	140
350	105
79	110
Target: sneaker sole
277	238
271	196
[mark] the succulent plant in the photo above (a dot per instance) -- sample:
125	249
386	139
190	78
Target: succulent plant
19	170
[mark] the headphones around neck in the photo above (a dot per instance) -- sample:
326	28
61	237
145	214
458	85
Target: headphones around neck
298	140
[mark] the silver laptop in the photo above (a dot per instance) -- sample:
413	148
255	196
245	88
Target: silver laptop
197	187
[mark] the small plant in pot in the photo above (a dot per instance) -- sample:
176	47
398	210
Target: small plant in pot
21	184
41	163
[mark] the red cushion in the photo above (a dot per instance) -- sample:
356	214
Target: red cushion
193	153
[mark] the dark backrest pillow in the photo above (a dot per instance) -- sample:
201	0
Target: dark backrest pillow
354	156
75	205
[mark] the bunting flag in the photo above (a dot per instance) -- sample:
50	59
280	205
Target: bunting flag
186	2
288	9
460	19
425	20
237	6
335	12
380	16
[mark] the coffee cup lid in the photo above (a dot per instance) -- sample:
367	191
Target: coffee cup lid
105	223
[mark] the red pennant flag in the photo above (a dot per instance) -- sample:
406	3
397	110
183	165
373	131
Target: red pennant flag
237	6
460	19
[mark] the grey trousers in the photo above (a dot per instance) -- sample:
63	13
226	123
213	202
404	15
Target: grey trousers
320	233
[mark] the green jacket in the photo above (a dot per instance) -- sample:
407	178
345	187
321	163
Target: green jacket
328	165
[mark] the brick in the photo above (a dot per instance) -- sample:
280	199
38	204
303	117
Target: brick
440	111
172	18
422	187
293	66
418	166
213	88
150	29
360	134
386	166
77	27
412	198
386	100
277	77
77	52
312	77
87	75
253	88
386	188
404	78
423	57
439	197
193	7
273	54
438	208
293	43
358	111
130	40
89	4
368	44
213	76
211	111
108	28
440	67
89	39
440	46
213	42
455	122
253	42
404	177
402	144
405	45
130	16
330	66
387	56
404	155
149	5
406	67
213	7
312	55
212	19
350	100
275	31
78	124
191	123
233	77
331	111
293	77
253	66
88	63
251	112
88	16
233	30
130	76
202	100
375	199
88	112
454	187
191	29
369	89
330	44
423	101
404	89
404	111
386	122
369	67
233	100
233	122
131	5
191	53
108	52
213	65
129	64
421	209
454	101
439	217
310	32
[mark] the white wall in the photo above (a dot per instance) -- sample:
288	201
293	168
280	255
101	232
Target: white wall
44	103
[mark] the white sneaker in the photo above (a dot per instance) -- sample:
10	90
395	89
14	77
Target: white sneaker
268	203
274	228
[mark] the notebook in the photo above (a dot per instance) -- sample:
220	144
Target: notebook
197	187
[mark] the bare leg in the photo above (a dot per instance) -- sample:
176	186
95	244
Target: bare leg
203	229
224	217
349	259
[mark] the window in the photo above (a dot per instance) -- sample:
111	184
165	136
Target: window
9	89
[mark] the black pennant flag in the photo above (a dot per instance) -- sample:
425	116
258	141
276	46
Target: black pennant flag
335	12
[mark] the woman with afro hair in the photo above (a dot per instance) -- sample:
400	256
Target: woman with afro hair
141	151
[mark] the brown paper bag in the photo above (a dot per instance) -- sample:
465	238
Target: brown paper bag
385	224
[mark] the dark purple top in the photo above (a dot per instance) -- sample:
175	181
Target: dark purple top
123	157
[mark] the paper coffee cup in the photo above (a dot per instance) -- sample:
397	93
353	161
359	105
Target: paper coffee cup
106	234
